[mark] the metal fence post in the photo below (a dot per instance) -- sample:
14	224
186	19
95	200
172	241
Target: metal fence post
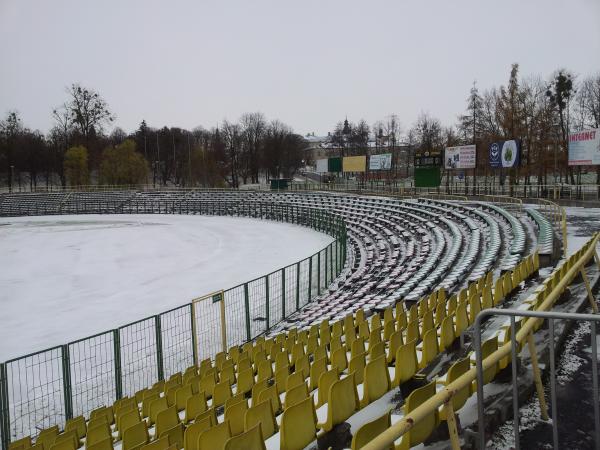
267	313
331	277
319	273
297	286
159	352
309	278
247	303
4	413
118	370
326	266
194	333
283	293
66	366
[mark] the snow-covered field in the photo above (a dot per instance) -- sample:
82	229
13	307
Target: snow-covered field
67	277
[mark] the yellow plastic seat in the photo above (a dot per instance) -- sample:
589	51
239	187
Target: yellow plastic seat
234	414
363	330
221	393
302	365
406	363
281	376
316	369
412	331
375	336
97	433
422	429
430	348
395	342
69	437
357	347
388	315
194	405
447	334
295	395
66	444
357	367
165	420
208	382
293	380
48	435
221	357
281	360
261	414
321	352
215	437
77	424
487	348
149	397
474	308
462	320
135	435
258	387
248	440
227	372
339	360
208	414
389	328
270	393
298	425
158	444
342	402
105	444
156	407
170	394
376	380
127	420
181	396
192	432
498	291
460	397
106	411
20	444
174	435
370	430
401	319
325	381
377	350
427	322
264	372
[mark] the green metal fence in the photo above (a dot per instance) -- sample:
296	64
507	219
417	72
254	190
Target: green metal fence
49	387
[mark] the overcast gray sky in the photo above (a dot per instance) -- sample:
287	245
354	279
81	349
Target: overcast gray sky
308	63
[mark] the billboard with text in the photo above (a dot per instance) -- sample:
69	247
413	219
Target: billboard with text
505	153
584	148
354	163
380	162
461	157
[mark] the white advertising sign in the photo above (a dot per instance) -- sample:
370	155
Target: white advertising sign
380	162
322	166
461	157
584	148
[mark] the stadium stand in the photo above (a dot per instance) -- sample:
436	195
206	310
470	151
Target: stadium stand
417	274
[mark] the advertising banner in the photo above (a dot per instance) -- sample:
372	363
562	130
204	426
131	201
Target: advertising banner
505	153
380	162
461	157
355	163
322	165
334	164
584	148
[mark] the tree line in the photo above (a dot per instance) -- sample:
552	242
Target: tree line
77	151
540	112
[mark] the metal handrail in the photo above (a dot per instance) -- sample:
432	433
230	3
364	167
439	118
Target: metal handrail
385	439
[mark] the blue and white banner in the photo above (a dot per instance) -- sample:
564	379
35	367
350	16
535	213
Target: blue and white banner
505	153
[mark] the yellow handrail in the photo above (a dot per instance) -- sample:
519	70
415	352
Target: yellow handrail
385	439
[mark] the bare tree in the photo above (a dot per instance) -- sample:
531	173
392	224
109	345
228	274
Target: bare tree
88	111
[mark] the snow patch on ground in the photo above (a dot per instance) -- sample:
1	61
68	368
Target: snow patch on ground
67	277
569	361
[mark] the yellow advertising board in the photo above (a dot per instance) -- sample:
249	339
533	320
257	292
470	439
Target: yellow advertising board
354	163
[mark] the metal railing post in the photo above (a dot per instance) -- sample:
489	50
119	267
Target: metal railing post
310	266
194	333
319	273
159	352
247	304
4	412
118	367
297	286
267	306
283	293
66	366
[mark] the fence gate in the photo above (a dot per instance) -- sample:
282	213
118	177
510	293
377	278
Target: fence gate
208	325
